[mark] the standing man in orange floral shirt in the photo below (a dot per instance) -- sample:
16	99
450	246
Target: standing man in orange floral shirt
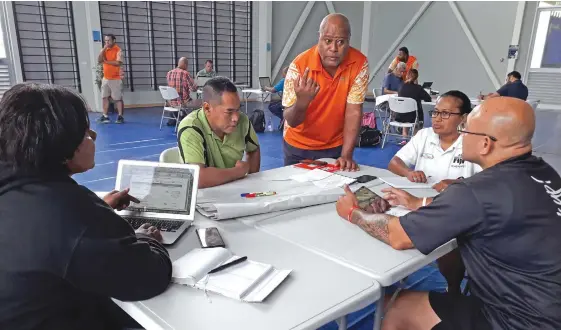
323	95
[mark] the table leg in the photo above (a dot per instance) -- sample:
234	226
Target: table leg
342	321
379	310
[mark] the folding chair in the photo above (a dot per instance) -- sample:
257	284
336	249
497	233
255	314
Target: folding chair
534	104
400	105
169	94
380	108
170	155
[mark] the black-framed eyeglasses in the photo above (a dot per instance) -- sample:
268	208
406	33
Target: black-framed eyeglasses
443	114
461	130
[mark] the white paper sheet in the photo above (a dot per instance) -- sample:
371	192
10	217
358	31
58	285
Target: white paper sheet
404	183
398	211
311	176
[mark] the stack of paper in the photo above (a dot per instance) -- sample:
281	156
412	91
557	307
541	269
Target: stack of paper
404	183
247	281
323	179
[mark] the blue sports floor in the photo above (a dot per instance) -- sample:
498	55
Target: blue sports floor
140	139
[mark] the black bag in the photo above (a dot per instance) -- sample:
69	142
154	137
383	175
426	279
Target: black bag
368	137
257	119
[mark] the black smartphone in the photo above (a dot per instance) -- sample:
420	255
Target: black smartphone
210	237
366	178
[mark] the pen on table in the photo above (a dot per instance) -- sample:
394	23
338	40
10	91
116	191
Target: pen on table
258	194
230	264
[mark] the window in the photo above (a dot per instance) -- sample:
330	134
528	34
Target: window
154	35
47	42
547	40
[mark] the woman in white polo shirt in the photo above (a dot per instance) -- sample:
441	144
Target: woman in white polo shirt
436	152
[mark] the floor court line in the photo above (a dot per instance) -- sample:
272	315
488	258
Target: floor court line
138	141
139	147
96	180
134	158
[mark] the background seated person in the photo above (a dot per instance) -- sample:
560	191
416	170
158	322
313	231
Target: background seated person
180	79
436	152
68	252
216	136
207	71
409	60
413	90
496	216
276	107
512	88
393	81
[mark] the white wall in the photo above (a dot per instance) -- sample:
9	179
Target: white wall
444	52
437	39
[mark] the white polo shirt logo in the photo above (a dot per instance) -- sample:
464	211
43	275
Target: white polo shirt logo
458	161
425	153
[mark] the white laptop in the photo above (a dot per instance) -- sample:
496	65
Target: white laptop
167	194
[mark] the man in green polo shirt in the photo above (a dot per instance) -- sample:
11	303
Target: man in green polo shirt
216	136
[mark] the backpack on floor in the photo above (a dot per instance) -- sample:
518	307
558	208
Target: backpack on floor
257	119
369	120
368	137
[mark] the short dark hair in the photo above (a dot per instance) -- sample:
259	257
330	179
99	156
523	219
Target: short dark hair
515	74
465	106
208	61
414	73
215	87
112	36
41	126
405	50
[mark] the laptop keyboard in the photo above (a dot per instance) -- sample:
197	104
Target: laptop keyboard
162	225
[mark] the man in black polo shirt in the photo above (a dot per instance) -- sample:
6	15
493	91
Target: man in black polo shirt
506	219
513	88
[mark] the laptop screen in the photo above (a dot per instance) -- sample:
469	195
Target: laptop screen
159	189
264	82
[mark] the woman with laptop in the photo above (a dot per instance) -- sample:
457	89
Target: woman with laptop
65	252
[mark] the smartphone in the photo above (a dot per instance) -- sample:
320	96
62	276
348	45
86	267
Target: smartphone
366	178
210	237
365	197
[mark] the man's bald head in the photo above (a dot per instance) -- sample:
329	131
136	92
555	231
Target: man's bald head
335	21
509	120
182	63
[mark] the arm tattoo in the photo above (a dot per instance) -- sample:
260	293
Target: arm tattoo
376	225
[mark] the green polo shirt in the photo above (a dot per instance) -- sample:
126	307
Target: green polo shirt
221	153
204	74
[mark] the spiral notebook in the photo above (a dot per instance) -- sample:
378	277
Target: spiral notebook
248	281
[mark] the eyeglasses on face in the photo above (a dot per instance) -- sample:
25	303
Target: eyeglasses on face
462	130
443	114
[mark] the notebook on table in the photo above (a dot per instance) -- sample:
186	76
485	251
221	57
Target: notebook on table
167	194
248	281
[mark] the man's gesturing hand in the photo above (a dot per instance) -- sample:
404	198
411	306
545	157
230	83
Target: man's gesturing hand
305	88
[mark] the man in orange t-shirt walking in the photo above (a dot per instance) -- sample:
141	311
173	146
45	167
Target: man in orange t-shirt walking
112	83
323	95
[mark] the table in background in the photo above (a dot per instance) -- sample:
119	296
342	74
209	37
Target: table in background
321	230
260	93
316	292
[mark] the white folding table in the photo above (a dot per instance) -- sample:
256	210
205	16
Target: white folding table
316	292
260	93
321	230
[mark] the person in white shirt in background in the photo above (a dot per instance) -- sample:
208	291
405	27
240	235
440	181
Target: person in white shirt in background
436	152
